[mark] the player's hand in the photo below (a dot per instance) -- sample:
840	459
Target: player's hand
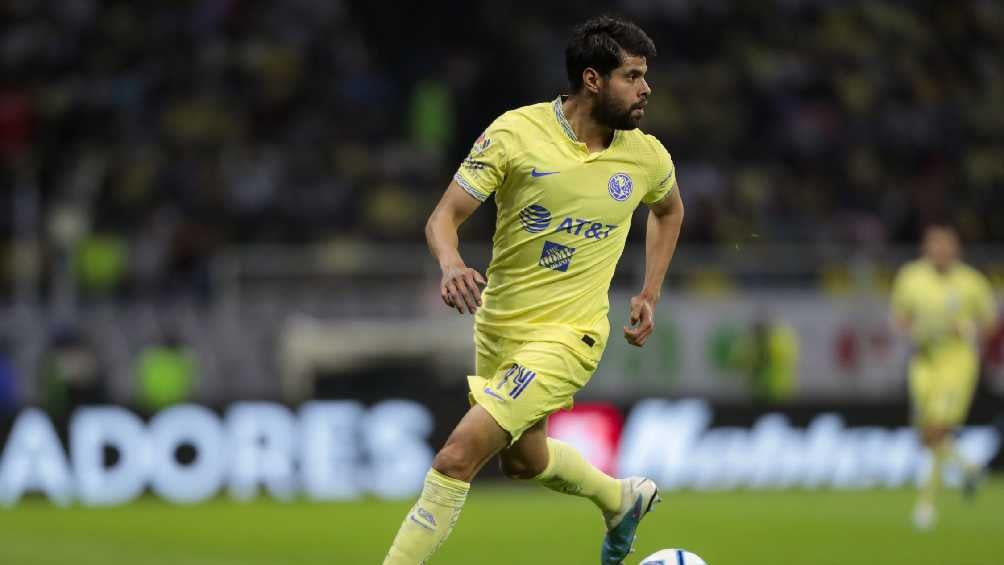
460	288
642	320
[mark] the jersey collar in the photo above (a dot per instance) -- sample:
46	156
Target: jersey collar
559	114
930	267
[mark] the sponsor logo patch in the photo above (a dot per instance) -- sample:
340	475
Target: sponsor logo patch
556	256
480	144
535	218
473	165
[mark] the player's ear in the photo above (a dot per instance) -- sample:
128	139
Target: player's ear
592	80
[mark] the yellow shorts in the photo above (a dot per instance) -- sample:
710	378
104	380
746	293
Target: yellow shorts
942	382
521	382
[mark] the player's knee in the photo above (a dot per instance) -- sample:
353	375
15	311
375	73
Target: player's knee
453	461
518	468
933	435
927	436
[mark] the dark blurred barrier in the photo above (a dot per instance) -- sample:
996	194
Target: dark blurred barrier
343	449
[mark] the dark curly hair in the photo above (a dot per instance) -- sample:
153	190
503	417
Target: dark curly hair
599	43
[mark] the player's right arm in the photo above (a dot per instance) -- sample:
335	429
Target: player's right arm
478	177
459	285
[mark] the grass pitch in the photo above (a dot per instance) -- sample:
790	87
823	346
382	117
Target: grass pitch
514	525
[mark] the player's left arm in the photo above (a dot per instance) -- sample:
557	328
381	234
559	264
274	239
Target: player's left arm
986	310
665	218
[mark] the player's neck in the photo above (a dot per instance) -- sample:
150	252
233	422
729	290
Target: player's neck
578	112
942	268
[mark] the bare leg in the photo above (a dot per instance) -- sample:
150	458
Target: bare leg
528	457
559	467
475	440
934	438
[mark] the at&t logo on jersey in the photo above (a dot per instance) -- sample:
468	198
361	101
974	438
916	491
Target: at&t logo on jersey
585	228
619	186
556	256
535	218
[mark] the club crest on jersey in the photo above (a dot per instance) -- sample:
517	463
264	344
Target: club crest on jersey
619	186
535	218
480	144
556	256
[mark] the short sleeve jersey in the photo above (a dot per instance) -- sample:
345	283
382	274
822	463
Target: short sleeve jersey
563	219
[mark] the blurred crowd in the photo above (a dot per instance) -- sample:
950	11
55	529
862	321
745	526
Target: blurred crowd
158	134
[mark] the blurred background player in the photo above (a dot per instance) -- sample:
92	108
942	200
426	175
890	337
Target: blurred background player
567	176
948	309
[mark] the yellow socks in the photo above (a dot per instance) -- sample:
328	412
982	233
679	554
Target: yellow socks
430	521
569	473
952	456
929	490
943	454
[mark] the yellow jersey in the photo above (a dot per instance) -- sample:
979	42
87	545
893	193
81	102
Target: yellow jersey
563	219
941	305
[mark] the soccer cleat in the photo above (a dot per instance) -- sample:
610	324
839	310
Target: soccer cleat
638	496
924	516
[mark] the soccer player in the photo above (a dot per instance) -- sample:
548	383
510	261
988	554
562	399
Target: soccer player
567	176
947	308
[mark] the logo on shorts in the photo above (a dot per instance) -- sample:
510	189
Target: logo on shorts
556	256
535	218
488	390
619	186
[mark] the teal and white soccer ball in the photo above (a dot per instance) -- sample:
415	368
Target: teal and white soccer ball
672	557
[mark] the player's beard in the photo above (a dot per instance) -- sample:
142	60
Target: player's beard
609	112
